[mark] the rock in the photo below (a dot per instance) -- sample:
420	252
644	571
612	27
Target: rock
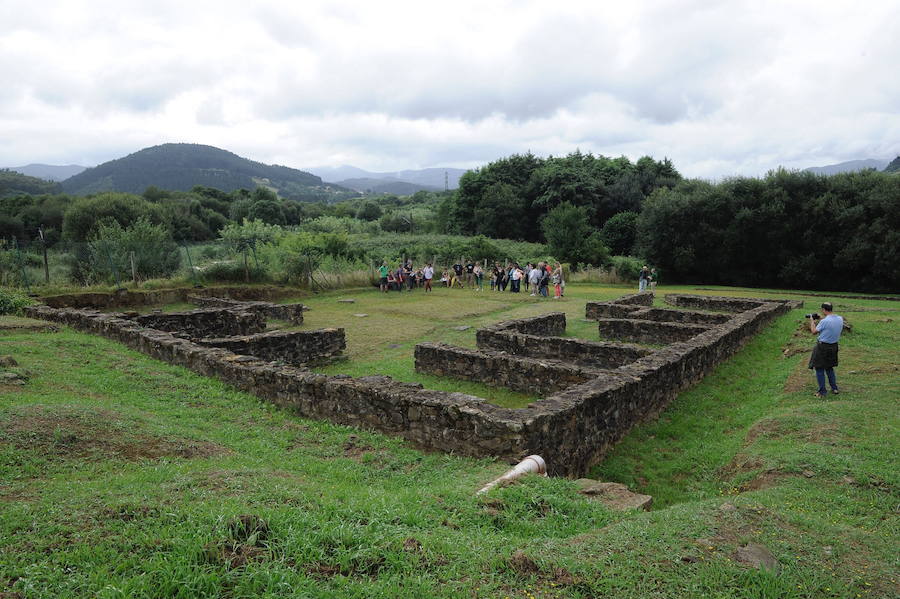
8	361
346	301
757	556
615	496
12	378
464	327
360	315
727	507
808	473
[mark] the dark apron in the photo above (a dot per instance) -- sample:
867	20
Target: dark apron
824	355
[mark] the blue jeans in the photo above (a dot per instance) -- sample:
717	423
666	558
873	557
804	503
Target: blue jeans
821	373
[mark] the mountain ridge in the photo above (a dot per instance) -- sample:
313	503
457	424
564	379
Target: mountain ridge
49	172
429	177
182	166
849	166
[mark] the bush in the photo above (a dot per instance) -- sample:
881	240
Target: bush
12	302
626	267
232	272
85	214
150	246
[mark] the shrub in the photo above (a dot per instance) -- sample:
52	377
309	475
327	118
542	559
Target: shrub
12	302
150	246
232	272
626	267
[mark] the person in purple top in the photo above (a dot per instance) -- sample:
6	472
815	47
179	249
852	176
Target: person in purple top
825	355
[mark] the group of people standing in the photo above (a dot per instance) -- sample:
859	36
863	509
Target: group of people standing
647	279
405	276
536	277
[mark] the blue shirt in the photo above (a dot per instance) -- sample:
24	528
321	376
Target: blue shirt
830	328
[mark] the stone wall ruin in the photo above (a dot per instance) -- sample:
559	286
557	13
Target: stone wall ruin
571	428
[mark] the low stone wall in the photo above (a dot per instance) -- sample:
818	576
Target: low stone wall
545	325
498	369
126	298
648	331
577	426
289	347
595	310
577	351
683	316
618	308
205	322
292	313
571	429
725	304
645	298
453	422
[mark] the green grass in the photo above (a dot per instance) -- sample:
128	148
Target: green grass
383	341
121	476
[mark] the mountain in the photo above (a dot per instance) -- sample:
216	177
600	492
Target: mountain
894	166
848	167
429	177
380	186
180	166
13	183
49	172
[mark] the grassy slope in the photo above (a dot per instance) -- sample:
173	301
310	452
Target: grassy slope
119	476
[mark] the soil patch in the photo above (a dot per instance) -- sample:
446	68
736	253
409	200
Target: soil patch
525	566
763	480
360	452
744	464
812	432
800	378
74	432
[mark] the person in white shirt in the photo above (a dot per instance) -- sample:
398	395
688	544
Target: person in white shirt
428	274
534	277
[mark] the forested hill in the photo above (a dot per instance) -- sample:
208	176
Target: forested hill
181	167
13	183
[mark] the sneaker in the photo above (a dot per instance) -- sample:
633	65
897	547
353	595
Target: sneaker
835	392
819	395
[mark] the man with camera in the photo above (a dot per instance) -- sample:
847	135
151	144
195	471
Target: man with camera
825	355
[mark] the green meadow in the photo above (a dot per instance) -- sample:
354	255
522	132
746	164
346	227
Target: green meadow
122	476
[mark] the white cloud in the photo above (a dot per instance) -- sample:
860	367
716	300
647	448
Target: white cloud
720	88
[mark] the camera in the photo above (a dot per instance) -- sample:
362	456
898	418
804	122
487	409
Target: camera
814	316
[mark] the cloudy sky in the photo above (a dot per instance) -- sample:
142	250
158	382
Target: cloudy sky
721	88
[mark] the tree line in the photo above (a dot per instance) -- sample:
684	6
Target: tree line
787	229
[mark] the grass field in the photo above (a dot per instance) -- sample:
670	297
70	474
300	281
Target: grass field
121	476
